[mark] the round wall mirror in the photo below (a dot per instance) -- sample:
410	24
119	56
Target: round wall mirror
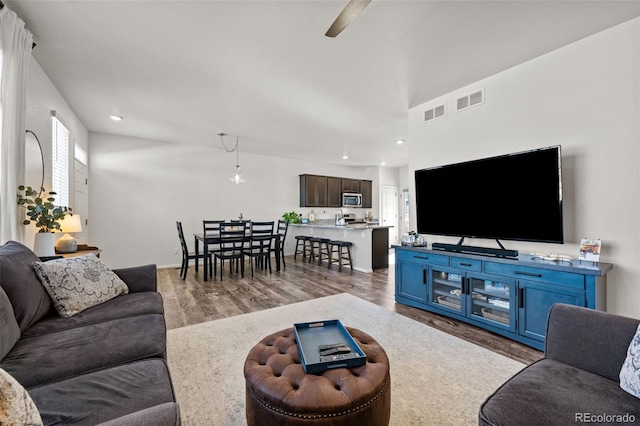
33	162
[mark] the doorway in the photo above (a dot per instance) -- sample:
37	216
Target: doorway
390	211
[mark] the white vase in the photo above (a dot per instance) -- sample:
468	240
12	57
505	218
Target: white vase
43	244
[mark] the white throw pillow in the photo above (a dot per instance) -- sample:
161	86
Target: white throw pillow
16	406
78	283
630	372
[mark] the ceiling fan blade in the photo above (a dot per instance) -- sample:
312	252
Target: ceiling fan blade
347	15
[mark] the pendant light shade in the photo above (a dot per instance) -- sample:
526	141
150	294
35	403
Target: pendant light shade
237	178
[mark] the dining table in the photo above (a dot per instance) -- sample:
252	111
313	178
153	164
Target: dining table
213	239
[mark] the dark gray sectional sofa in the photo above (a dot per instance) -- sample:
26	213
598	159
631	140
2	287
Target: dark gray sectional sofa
577	381
104	365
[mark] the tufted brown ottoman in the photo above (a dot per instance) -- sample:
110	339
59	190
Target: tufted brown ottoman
279	392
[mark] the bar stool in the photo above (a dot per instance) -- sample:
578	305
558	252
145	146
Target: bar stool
317	243
336	246
306	243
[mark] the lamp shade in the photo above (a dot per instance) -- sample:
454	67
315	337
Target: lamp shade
71	223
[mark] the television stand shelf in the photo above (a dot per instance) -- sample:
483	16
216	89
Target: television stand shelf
510	297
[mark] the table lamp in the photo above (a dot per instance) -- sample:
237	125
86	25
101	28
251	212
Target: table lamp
69	224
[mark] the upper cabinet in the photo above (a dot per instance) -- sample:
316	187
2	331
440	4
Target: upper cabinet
326	191
334	192
366	189
351	186
313	191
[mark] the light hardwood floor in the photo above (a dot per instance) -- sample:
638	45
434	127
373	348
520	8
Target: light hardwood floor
194	301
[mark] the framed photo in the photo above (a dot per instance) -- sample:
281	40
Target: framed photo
590	249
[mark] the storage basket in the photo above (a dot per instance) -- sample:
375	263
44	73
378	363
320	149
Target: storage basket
449	302
498	316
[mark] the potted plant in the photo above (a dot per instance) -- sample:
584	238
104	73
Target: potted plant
291	217
44	214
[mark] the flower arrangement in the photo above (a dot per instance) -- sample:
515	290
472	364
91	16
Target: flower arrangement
40	208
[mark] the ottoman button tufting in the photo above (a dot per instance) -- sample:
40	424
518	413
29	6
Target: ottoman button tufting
279	392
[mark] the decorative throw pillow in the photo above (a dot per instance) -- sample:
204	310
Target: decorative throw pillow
16	406
630	372
78	283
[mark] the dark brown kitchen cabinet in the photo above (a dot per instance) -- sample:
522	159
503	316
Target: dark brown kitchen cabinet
351	186
366	189
334	192
313	191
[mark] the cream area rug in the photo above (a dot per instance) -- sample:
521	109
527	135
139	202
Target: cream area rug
436	379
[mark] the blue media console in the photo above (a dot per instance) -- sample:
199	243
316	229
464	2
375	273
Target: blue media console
510	297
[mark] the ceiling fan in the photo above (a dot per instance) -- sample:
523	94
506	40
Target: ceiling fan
347	15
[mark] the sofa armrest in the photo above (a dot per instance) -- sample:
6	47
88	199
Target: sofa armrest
591	340
139	278
167	414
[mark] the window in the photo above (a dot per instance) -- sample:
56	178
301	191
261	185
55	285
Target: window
60	160
80	155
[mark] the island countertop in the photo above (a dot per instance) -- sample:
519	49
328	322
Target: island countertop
353	226
370	249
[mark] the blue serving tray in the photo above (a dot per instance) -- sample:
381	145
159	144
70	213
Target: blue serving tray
311	335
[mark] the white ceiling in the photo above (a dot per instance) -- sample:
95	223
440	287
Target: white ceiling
182	71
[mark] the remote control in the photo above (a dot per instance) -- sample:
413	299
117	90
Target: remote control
338	357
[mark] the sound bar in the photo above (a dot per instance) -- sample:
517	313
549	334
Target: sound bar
487	251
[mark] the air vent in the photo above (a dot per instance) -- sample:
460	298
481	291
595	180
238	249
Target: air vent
468	101
437	112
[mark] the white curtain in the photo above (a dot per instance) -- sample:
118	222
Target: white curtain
15	52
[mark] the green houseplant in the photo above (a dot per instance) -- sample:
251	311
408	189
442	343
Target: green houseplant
44	214
291	217
40	208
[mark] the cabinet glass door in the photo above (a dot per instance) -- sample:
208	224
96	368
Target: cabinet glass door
446	289
493	301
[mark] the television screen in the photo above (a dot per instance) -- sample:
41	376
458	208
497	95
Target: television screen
509	197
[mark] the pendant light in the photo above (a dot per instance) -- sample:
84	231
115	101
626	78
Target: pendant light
237	178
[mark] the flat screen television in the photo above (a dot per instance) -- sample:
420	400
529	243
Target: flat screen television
510	197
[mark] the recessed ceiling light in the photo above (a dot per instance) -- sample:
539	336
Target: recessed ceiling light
400	141
116	117
383	163
345	157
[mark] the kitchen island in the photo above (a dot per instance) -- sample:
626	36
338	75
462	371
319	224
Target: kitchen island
370	248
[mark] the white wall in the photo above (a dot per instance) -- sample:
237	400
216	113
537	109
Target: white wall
42	98
584	97
140	188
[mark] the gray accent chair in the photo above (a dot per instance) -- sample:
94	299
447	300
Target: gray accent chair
577	379
106	364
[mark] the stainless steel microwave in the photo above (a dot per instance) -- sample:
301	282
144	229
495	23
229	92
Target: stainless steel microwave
351	200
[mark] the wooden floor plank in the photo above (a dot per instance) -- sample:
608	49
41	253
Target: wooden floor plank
193	301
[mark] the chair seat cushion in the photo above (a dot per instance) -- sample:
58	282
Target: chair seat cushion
106	394
123	306
549	392
55	356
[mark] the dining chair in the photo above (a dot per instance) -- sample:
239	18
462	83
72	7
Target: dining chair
186	256
281	233
211	228
259	249
232	239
